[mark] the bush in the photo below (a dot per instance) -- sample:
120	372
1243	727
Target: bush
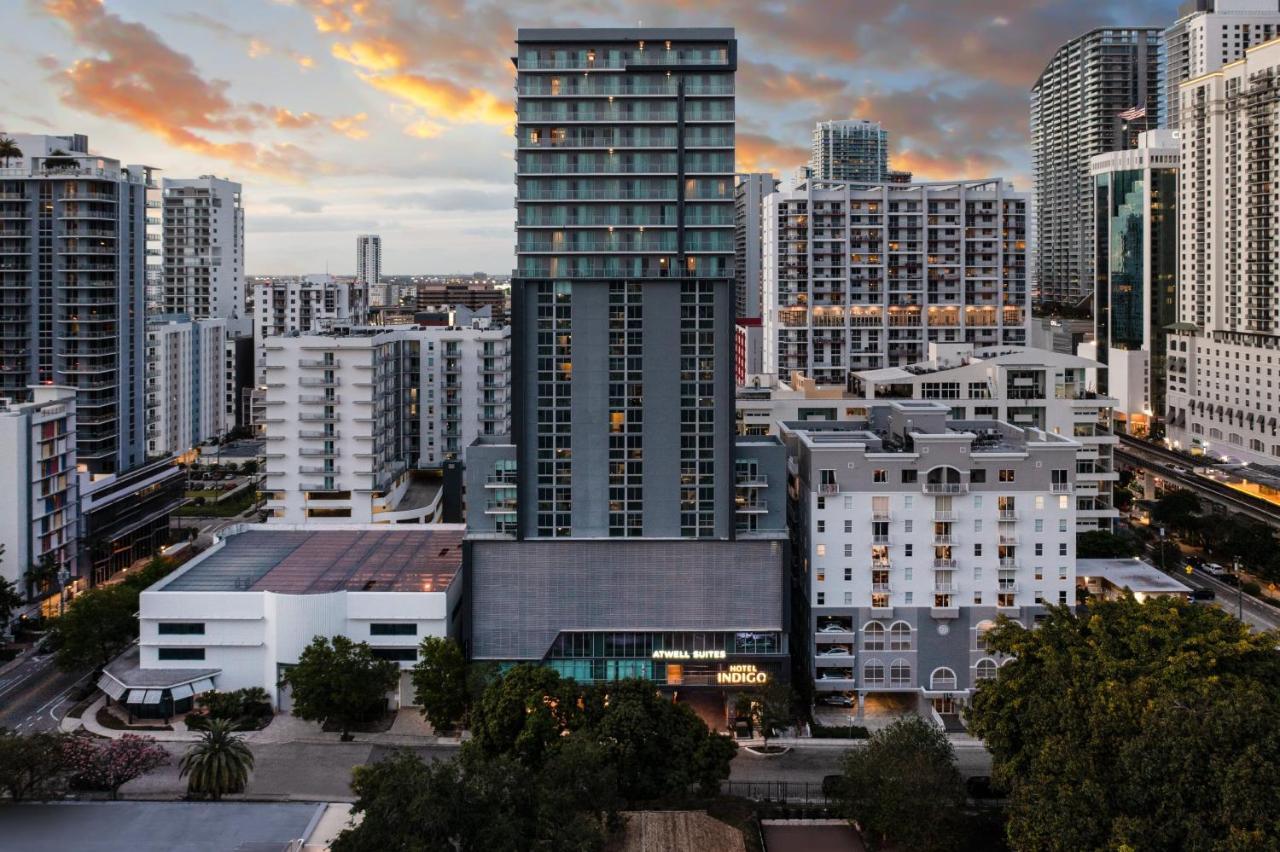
247	709
1252	588
839	732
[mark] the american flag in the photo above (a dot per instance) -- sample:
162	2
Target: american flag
1134	113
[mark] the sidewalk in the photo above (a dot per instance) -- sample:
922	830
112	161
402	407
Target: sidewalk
408	729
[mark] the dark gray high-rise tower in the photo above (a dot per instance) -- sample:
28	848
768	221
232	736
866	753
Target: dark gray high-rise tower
622	300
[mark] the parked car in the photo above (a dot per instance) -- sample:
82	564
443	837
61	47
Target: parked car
835	651
834	699
1198	595
834	627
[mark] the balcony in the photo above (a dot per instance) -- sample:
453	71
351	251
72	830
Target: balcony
944	517
1060	488
879	539
751	480
499	507
881	611
945	488
309	382
500	480
881	588
1008	515
1008	563
944	540
828	488
945	589
880	517
317	434
752	507
1008	540
945	564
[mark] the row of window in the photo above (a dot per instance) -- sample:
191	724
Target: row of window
899	674
408	655
196	628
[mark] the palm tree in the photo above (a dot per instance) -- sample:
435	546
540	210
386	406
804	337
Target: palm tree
219	764
8	150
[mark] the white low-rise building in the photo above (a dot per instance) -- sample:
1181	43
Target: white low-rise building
240	614
186	383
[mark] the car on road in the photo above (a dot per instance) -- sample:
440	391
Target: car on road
1179	469
1202	595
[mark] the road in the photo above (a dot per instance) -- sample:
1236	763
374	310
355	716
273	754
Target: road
1254	613
810	763
34	695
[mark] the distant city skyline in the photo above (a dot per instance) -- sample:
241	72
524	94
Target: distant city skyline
341	118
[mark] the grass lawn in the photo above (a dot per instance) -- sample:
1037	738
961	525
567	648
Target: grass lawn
227	508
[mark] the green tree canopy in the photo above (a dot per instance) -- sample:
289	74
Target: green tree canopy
524	712
220	763
1101	544
32	766
440	682
1178	510
98	625
904	788
1155	725
340	681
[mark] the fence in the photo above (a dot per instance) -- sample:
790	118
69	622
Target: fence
806	792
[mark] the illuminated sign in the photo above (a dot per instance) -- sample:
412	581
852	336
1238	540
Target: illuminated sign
742	674
688	655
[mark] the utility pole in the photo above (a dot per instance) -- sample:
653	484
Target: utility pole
1239	591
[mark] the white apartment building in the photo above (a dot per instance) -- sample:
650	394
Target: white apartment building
307	304
369	269
203	232
353	415
849	150
859	277
38	468
1210	34
1224	357
748	232
915	532
241	613
186	383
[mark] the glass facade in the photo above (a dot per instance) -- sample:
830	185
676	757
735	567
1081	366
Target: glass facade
672	659
1124	258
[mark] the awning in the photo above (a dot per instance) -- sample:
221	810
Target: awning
152	696
111	686
202	686
181	692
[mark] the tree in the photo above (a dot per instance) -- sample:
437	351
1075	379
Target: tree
110	764
1178	510
1101	544
440	682
156	569
1155	725
10	599
773	708
8	150
97	626
524	712
340	682
31	766
904	787
218	764
42	576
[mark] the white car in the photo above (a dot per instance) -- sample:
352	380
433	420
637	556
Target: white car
835	699
834	651
833	628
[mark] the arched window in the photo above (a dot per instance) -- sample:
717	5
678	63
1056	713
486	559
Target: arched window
900	673
980	634
873	673
985	669
942	678
873	636
900	636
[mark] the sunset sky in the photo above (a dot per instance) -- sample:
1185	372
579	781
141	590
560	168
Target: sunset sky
345	116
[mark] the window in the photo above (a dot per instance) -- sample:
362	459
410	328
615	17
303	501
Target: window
899	673
1040	503
848	575
906	550
822	526
822	502
1006	474
977	475
977	548
848	502
393	629
848	550
873	673
980	634
180	628
880	475
1062	525
977	598
873	637
985	669
821	550
907	525
909	476
180	653
1062	549
848	598
1039	524
942	678
900	636
1064	502
399	655
822	598
848	526
907	598
1039	549
977	525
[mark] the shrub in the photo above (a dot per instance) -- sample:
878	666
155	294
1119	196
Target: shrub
839	732
244	708
1252	588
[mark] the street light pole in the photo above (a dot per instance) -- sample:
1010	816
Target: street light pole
1239	591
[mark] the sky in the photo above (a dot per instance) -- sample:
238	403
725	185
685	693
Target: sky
396	117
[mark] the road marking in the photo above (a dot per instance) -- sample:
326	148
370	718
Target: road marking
62	695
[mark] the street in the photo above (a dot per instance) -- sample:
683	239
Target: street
33	696
1257	615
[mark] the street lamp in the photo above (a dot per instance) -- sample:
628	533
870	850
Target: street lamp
1239	590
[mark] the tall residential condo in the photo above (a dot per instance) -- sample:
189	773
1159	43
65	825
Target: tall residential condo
73	281
654	544
1225	350
204	251
369	268
1136	249
1212	33
859	277
186	383
853	150
748	231
1099	91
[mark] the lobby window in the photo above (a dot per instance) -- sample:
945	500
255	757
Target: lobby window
400	629
180	653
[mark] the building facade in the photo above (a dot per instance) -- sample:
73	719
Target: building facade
1225	351
859	277
203	231
849	150
38	464
1098	92
186	383
913	533
748	232
306	304
126	516
1136	263
369	269
1209	34
73	277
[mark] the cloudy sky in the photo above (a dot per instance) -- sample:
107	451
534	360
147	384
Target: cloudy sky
395	116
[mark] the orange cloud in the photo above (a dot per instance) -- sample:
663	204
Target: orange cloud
760	153
351	126
444	98
372	55
926	166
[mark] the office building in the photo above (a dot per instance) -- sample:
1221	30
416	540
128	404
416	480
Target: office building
73	279
38	467
748	232
1210	34
653	543
186	383
914	532
354	416
1097	93
474	294
1224	352
241	613
850	150
125	517
862	277
1136	248
203	223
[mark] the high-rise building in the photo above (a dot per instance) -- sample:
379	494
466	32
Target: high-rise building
1100	90
369	269
73	287
307	303
1136	248
1225	348
1209	34
186	383
38	468
748	231
203	225
861	277
849	150
918	532
653	543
